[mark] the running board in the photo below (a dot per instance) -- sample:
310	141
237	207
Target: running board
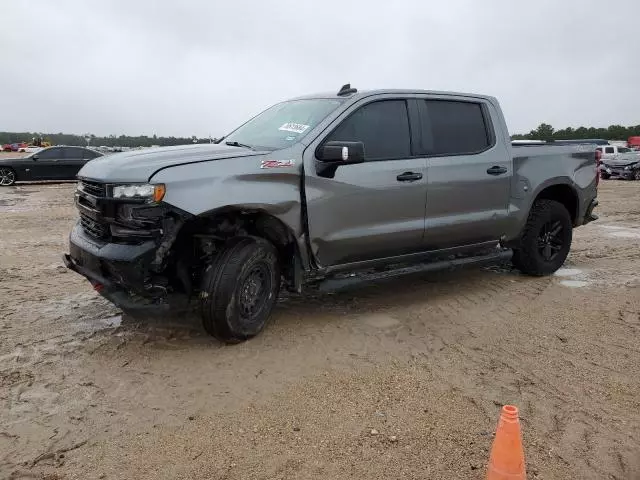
334	284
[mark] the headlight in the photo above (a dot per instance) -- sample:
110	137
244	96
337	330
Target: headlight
147	191
627	168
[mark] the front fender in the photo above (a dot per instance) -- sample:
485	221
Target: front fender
204	188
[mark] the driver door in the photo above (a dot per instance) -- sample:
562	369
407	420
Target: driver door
374	209
44	164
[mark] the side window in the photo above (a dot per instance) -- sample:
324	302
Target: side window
623	150
73	153
453	128
89	154
50	154
608	150
382	126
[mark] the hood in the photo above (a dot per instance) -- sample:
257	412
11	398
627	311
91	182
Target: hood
623	159
140	165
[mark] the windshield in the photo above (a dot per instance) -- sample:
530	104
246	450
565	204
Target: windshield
283	124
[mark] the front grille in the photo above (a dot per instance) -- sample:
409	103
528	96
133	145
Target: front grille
93	228
93	188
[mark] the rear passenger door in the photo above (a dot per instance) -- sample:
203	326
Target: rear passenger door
469	172
373	209
71	162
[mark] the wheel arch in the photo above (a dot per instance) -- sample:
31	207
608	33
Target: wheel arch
562	193
232	221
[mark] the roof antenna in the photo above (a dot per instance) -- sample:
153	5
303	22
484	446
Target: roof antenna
346	90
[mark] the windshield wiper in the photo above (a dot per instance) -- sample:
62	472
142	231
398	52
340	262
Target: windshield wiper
238	144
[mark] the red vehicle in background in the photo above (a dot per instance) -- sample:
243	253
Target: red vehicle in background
634	142
14	147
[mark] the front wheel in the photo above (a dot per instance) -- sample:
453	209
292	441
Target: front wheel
605	176
546	239
636	175
239	289
7	176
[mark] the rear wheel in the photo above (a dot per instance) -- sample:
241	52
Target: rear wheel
546	240
7	176
240	289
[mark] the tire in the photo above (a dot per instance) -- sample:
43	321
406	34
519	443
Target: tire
7	176
546	239
636	174
605	176
240	289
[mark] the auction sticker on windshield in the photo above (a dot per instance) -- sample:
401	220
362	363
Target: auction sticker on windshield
294	127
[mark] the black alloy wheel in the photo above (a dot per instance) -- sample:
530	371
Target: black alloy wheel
7	176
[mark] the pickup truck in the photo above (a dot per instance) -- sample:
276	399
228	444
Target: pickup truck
320	187
620	162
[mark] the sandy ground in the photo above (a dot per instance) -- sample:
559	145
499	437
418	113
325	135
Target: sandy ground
425	361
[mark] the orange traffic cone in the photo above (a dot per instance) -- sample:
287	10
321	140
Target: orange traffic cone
507	455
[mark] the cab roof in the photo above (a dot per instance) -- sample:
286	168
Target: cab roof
386	91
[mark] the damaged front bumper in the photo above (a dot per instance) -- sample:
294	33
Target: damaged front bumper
122	246
119	272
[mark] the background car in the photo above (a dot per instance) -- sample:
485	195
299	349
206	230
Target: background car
625	164
611	152
52	163
30	149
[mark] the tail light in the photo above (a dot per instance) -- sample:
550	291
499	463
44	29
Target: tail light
598	162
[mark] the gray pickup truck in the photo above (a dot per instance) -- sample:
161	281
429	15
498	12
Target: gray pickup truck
318	188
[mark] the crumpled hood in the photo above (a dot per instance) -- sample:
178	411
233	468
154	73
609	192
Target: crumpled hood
140	165
623	159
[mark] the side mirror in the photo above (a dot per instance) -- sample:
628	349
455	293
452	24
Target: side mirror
35	157
345	153
332	155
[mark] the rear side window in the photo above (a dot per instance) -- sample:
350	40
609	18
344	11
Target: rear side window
382	126
453	128
89	154
608	150
73	153
624	150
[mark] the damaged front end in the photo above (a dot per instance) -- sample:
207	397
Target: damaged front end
122	243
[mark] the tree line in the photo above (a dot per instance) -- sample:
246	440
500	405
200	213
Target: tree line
543	132
547	132
95	141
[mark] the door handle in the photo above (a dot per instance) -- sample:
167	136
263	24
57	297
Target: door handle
496	170
409	177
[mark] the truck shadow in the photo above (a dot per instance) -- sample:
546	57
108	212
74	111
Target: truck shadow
390	293
311	312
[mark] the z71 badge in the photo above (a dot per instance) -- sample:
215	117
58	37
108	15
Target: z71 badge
277	163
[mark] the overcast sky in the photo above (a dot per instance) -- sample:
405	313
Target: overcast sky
194	67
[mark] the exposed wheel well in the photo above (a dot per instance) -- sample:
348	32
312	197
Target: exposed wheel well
206	234
563	194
